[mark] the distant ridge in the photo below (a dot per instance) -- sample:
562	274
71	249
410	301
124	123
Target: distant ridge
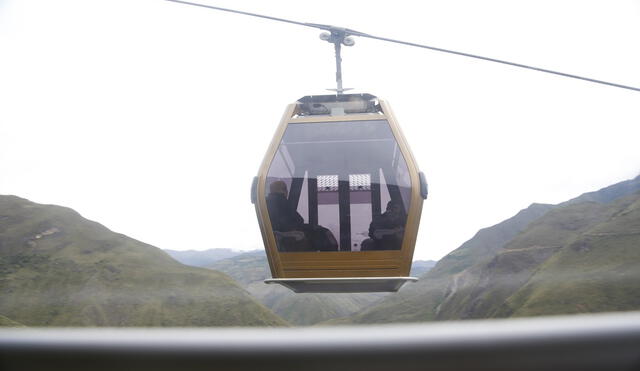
610	193
202	258
420	267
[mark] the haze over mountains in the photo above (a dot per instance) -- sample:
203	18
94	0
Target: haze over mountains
59	269
202	258
251	268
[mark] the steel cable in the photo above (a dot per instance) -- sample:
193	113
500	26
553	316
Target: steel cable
362	34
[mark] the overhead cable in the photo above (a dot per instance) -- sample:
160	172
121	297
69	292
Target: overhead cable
350	32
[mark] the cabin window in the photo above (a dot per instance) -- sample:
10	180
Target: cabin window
338	186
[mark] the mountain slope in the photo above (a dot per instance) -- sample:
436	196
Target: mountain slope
596	270
250	269
580	256
422	300
485	286
59	269
610	193
488	241
6	322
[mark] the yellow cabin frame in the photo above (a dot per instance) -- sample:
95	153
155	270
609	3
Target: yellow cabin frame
346	267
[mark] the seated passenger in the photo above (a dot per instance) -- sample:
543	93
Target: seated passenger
386	230
283	216
321	238
292	234
286	222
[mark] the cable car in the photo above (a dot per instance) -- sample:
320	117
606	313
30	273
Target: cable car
339	196
335	163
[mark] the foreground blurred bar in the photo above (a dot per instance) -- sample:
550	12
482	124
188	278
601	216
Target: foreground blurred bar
579	342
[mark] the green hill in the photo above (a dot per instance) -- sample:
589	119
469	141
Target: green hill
581	256
59	269
596	270
488	241
250	269
422	300
6	322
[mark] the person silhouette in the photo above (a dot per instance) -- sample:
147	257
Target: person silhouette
283	216
387	230
290	230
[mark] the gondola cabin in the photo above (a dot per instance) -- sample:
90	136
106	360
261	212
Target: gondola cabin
338	197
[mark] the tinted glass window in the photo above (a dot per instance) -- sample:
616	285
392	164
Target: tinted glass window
338	186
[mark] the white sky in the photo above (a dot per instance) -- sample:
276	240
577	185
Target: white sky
152	117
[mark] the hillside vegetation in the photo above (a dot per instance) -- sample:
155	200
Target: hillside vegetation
596	270
580	256
59	269
6	322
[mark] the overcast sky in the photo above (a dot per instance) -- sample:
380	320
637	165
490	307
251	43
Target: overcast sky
152	117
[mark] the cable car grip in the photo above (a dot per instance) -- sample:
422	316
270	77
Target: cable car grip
337	36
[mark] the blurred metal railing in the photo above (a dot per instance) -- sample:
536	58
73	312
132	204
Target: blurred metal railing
581	342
